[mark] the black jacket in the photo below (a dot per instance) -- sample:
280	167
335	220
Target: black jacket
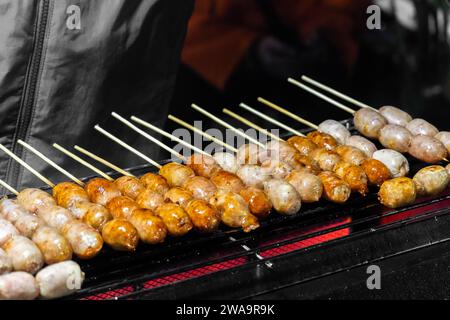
66	64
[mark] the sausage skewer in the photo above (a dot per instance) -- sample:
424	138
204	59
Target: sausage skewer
85	241
118	234
236	215
418	137
150	228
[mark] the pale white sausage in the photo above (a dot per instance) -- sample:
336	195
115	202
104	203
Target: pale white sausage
60	280
397	164
18	286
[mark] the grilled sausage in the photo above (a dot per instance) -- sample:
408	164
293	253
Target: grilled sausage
354	175
335	129
120	235
129	186
18	286
175	218
5	262
395	116
427	149
326	159
85	241
308	185
369	122
151	229
176	174
252	175
122	207
54	247
178	196
248	154
204	217
279	151
431	181
155	182
258	202
59	280
96	215
363	144
422	127
275	168
227	161
7	231
203	166
228	181
149	199
200	187
101	191
351	155
233	210
334	189
67	193
33	199
303	145
309	164
396	163
376	171
323	140
398	192
395	137
25	255
285	199
444	137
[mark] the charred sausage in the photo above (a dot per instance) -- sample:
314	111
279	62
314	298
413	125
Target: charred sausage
303	145
258	202
323	140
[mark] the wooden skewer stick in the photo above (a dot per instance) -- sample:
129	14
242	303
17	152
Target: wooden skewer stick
103	161
226	125
335	92
27	166
147	136
321	96
8	187
271	120
52	163
128	147
202	133
251	124
81	161
167	135
287	113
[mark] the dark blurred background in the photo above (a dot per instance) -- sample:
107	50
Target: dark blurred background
238	50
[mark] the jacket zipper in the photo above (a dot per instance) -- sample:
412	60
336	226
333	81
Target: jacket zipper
30	88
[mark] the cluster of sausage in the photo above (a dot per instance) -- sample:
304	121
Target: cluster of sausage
395	130
27	243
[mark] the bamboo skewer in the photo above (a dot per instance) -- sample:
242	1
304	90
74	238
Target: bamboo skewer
51	163
103	161
321	96
271	120
335	92
81	161
167	135
251	124
146	135
27	166
202	133
226	125
288	113
128	147
8	187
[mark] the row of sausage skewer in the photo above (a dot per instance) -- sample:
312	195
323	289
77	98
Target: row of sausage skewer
235	190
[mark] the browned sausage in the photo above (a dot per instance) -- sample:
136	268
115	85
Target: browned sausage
149	199
376	171
67	193
398	192
204	166
155	182
120	235
200	187
303	145
326	159
129	186
228	181
176	174
101	191
151	229
323	140
204	217
258	202
335	189
175	218
351	155
122	207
